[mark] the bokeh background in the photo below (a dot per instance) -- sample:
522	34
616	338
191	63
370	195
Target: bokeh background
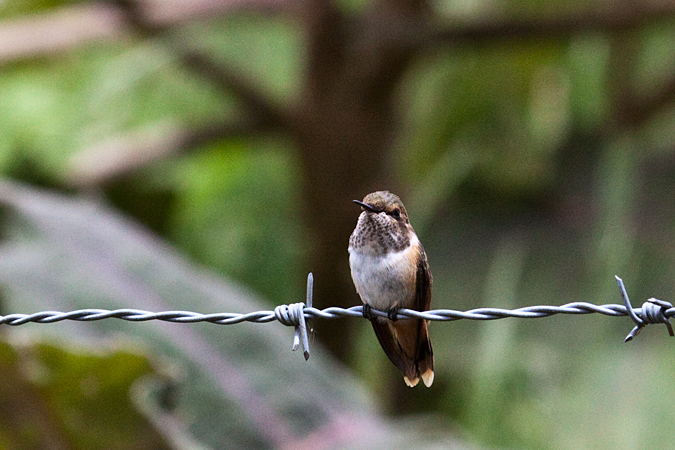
203	155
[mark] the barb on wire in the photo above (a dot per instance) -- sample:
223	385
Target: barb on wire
294	315
652	311
299	314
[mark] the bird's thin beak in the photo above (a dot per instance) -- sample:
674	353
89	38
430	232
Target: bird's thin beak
367	207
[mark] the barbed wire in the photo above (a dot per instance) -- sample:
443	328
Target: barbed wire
298	314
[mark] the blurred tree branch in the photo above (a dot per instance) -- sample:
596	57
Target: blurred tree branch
58	31
634	111
120	155
72	26
225	78
619	17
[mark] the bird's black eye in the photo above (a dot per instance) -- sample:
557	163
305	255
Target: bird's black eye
396	213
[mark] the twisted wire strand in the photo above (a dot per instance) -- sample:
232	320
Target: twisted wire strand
333	312
298	314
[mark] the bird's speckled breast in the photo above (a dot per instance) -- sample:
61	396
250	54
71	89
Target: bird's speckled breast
386	280
376	235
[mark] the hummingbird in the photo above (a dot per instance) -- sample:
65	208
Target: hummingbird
390	271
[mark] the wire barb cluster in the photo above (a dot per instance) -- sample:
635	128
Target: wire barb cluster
652	311
298	315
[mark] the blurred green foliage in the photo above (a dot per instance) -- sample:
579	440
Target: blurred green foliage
72	398
230	202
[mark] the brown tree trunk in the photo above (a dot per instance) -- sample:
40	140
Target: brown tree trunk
344	132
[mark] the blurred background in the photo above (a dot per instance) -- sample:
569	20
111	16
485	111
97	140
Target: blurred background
203	155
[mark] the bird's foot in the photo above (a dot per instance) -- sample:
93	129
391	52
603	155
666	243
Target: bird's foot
366	311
